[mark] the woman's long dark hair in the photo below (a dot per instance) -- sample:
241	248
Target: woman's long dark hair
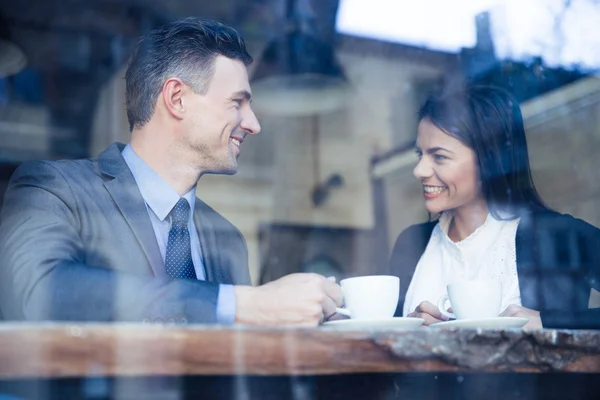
488	120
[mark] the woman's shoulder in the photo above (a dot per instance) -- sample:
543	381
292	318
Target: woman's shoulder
552	221
411	244
416	233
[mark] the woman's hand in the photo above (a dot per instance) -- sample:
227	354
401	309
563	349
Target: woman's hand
535	321
429	312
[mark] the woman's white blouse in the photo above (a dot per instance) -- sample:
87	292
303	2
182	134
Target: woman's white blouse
488	253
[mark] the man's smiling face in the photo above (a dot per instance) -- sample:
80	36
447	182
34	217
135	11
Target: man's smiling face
221	118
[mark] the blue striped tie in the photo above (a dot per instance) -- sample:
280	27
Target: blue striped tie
178	261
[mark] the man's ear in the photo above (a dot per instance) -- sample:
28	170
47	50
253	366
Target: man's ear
172	96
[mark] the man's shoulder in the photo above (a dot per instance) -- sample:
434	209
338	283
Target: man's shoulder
108	164
52	171
63	167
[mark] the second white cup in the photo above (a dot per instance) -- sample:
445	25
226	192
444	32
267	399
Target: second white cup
370	297
472	299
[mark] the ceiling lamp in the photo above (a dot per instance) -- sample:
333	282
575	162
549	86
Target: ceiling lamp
12	58
298	73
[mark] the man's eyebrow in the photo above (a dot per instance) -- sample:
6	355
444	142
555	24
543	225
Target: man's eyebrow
243	93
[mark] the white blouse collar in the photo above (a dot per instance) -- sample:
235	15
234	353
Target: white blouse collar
479	239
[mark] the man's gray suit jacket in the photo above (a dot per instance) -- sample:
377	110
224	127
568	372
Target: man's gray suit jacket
77	243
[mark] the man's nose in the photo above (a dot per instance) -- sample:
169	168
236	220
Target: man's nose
250	123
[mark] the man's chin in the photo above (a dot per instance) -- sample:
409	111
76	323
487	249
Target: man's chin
229	170
233	168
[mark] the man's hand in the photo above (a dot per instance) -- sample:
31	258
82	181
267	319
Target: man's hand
296	299
513	310
429	312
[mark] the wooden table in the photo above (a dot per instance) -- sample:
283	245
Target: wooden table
148	360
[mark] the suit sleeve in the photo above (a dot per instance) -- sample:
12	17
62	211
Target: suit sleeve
43	270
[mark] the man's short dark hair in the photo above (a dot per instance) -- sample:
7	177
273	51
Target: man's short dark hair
185	49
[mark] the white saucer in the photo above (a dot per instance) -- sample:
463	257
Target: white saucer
485	323
386	323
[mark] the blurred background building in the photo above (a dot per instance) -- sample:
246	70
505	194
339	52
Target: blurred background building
327	185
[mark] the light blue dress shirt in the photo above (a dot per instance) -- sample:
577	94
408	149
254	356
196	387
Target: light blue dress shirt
160	199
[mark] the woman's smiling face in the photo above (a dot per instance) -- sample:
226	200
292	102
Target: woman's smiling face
447	170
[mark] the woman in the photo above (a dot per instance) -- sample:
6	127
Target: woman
474	168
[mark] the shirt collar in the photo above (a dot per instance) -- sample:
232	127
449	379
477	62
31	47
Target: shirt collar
489	225
156	192
479	239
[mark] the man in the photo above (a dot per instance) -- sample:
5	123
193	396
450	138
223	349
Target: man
122	237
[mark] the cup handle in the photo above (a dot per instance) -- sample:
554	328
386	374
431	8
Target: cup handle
343	311
442	307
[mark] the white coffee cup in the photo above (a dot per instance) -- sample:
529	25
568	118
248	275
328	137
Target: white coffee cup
370	297
472	299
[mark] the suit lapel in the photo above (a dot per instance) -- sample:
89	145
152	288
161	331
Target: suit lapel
208	244
128	199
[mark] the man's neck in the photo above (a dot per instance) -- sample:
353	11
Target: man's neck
160	153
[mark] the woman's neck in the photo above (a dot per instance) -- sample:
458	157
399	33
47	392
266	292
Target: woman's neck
467	219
